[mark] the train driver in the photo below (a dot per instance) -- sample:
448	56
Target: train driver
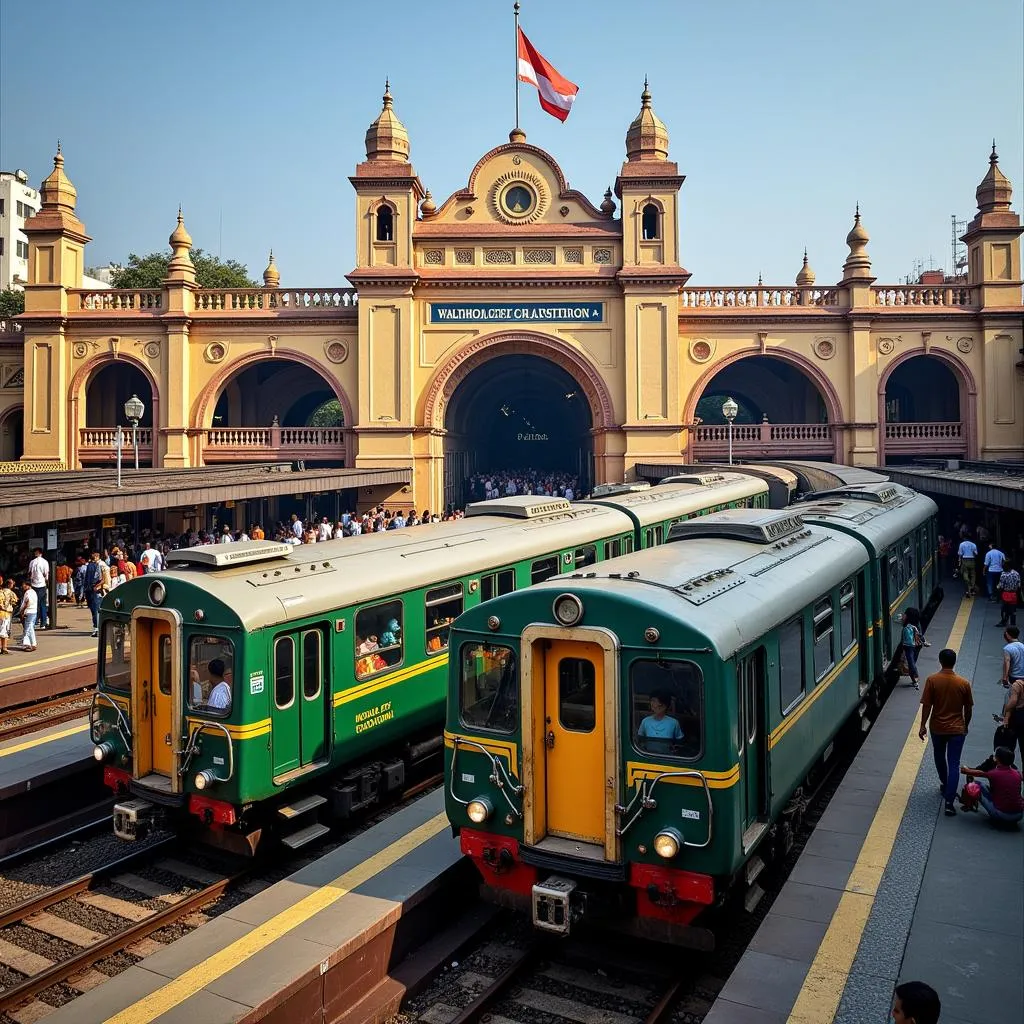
659	730
220	688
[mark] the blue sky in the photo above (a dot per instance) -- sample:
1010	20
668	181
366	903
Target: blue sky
782	116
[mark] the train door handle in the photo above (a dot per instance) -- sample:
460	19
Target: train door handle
551	739
167	739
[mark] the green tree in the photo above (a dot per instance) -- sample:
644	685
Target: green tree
12	303
328	415
150	271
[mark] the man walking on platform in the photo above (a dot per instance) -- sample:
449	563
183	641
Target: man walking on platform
39	579
966	555
948	701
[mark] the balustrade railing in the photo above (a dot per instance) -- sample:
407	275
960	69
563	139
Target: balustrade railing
104	437
219	300
756	297
800	437
118	300
922	295
937	431
10	327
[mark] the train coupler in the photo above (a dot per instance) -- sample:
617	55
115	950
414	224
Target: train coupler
554	906
133	819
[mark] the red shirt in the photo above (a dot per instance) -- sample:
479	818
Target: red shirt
1004	783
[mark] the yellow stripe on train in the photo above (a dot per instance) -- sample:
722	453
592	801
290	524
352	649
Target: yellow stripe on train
381	682
794	716
715	780
500	748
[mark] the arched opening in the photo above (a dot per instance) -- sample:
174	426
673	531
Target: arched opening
12	434
922	402
783	411
521	419
107	390
276	408
385	223
650	222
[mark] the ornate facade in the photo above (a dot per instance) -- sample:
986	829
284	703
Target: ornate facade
519	323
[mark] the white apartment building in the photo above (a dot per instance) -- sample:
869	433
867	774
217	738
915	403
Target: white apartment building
18	202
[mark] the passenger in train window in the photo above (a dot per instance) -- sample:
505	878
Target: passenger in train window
220	689
659	730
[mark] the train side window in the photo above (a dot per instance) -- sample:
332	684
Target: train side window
488	687
824	647
284	671
648	537
586	555
894	576
497	583
543	569
612	548
379	638
443	606
791	664
659	535
312	664
627	544
667	708
847	616
117	655
211	659
164	666
577	708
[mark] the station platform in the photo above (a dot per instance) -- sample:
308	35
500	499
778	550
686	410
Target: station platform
308	948
28	762
65	658
887	888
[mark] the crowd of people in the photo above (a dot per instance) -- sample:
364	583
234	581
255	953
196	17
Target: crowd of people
503	483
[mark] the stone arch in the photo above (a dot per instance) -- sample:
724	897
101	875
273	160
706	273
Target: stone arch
829	395
202	414
448	376
77	390
968	393
11	445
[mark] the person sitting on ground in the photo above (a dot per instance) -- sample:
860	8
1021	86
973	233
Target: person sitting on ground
1000	788
915	1003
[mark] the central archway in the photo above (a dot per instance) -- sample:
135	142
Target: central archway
525	404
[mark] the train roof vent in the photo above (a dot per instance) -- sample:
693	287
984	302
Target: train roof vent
704	479
740	524
607	490
878	493
223	556
519	506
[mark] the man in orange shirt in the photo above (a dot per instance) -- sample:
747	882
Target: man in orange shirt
947	699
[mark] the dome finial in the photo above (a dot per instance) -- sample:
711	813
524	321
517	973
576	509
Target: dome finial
647	138
181	267
271	276
57	191
858	264
428	207
995	191
806	276
608	204
993	159
386	138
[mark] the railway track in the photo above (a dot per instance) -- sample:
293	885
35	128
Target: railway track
22	719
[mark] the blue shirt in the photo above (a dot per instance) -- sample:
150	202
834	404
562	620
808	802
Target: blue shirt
665	729
994	560
1015	652
909	636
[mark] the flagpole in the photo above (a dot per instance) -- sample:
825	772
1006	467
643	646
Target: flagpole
515	8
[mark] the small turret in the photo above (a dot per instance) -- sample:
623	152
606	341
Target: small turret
858	264
57	192
647	138
805	277
386	138
271	276
181	268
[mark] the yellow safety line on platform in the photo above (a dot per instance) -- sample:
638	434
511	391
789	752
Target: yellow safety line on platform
46	661
197	978
28	744
823	987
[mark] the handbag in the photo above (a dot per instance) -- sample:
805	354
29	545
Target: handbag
1009	596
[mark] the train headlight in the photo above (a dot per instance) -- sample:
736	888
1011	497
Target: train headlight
479	810
667	843
567	609
102	751
157	592
204	779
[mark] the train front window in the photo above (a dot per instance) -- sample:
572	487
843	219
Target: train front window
667	708
488	687
379	638
117	655
211	670
576	695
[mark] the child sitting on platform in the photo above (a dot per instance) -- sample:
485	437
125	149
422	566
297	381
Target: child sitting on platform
998	787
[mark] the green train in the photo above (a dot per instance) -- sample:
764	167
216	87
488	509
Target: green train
256	688
629	744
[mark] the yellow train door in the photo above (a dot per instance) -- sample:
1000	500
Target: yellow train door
162	708
574	740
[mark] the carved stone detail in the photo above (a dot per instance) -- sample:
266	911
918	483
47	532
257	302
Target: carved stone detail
701	350
825	347
965	344
602	255
433	257
215	351
464	257
336	350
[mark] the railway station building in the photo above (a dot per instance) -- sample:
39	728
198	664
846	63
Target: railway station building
516	322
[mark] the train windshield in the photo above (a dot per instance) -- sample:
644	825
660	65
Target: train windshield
117	655
667	708
211	666
489	687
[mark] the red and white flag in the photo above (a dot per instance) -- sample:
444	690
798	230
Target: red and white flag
556	93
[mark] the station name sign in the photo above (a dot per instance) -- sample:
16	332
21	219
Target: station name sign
516	312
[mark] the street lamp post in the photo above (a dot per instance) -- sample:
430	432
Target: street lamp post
134	410
729	411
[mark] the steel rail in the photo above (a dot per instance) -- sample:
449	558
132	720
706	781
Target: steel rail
59	972
474	1011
